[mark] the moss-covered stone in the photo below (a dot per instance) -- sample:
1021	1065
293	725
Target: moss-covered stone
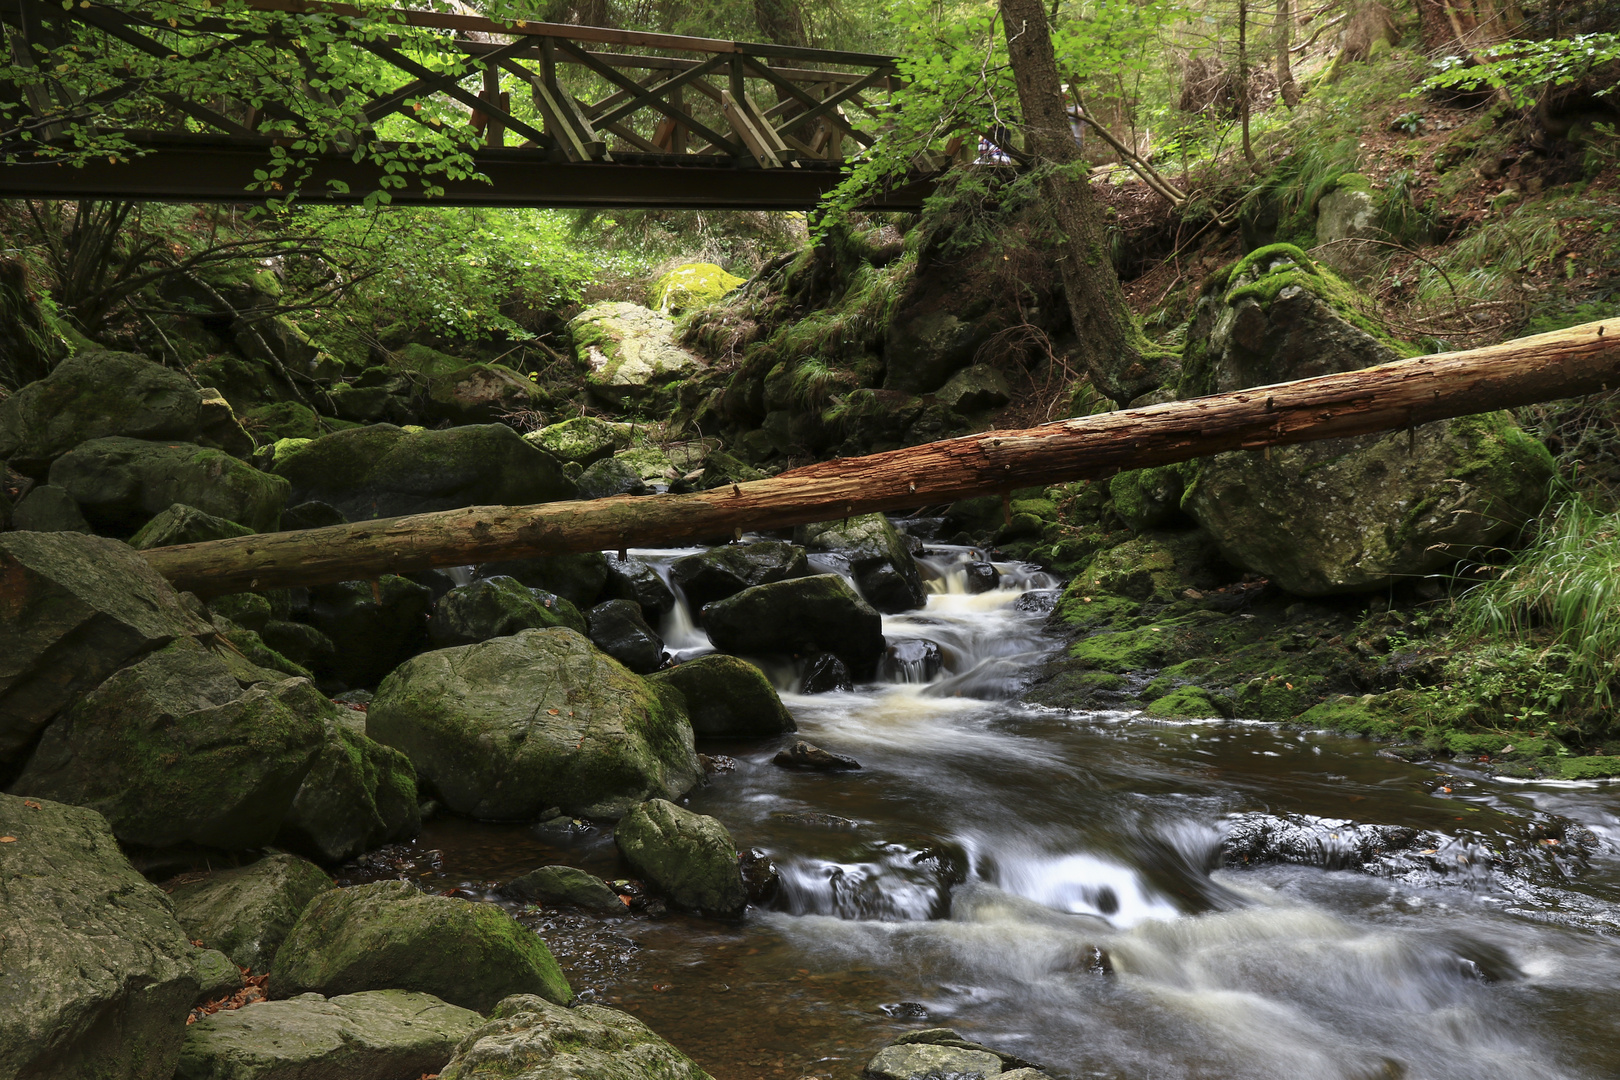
578	578
528	1038
883	567
628	351
820	613
181	524
283	420
1188	702
584	439
120	484
507	728
725	571
1590	768
358	795
728	698
690	858
1147	498
690	286
388	935
494	607
246	912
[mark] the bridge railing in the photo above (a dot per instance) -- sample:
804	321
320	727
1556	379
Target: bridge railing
574	94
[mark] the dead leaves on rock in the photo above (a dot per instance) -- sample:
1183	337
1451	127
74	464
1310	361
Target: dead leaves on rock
252	992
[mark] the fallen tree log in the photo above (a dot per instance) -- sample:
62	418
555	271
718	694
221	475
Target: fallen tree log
1566	363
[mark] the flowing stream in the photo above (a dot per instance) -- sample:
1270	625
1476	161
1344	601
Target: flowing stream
1046	882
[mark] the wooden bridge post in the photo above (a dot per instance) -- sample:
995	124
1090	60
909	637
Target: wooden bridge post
495	131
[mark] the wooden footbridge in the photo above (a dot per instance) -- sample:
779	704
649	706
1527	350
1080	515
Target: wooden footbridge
550	114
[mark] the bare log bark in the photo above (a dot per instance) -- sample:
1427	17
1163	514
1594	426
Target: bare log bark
1406	393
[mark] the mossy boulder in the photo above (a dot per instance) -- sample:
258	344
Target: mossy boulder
725	571
96	394
618	628
479	394
820	613
1148	498
173	750
374	1035
98	976
975	388
609	477
120	484
728	698
1342	515
877	556
385	471
529	1038
690	286
505	729
283	420
181	524
1188	703
78	609
1346	217
578	578
358	795
634	579
628	351
246	912
1156	567
583	440
390	936
495	607
690	858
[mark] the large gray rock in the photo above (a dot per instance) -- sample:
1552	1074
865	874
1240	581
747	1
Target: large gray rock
120	484
172	750
1346	218
384	471
389	935
376	626
96	394
974	389
505	729
96	977
688	857
497	607
728	698
478	394
610	477
567	887
878	556
373	1035
725	571
48	508
801	615
529	1038
357	795
618	628
247	912
922	1061
1342	515
76	609
583	440
629	350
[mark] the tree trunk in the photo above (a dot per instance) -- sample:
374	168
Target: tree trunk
1243	79
1404	394
1120	360
1287	88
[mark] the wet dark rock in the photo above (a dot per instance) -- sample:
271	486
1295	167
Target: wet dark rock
387	935
99	976
803	755
689	858
879	558
1038	601
48	508
823	674
728	698
384	471
912	660
217	975
495	607
725	571
981	577
120	484
564	886
437	582
974	389
760	875
801	615
527	1038
630	578
578	578
609	477
247	912
358	795
376	626
374	1034
816	819
312	514
96	394
302	644
181	524
507	728
250	611
618	629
